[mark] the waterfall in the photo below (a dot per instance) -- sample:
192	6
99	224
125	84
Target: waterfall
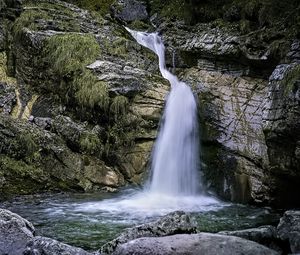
175	158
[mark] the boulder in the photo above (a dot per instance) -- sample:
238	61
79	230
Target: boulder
193	244
15	232
288	229
47	246
265	235
129	10
174	223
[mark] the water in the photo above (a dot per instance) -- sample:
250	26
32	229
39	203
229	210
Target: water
90	220
175	159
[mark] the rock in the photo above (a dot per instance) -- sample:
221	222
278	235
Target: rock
129	10
265	235
203	243
47	246
288	229
232	134
44	123
15	232
7	98
173	223
281	120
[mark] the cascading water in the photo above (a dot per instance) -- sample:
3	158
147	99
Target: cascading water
175	184
175	157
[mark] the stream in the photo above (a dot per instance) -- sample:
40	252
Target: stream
90	220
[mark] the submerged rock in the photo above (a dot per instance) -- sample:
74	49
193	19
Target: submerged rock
47	246
194	244
289	229
15	232
171	224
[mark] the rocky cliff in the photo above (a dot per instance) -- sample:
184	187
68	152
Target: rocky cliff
84	105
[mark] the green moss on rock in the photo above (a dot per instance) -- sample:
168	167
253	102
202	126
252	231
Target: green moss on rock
70	53
90	92
119	105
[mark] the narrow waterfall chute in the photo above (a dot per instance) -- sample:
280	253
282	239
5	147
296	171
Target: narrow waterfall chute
175	159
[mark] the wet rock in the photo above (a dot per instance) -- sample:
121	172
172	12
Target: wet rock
203	243
232	134
47	246
265	235
173	223
288	229
15	232
129	10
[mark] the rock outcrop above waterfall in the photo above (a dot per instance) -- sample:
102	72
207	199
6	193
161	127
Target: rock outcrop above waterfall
173	223
203	243
89	126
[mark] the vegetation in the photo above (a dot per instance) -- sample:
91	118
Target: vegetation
90	143
291	79
3	70
70	53
91	92
119	106
28	19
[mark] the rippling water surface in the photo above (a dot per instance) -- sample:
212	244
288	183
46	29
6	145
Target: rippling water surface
90	220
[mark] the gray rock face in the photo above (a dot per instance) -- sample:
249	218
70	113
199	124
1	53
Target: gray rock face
46	246
7	98
265	235
15	232
194	244
281	119
129	10
232	133
289	229
173	223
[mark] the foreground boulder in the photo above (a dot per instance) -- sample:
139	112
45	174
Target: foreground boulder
203	243
15	232
173	223
288	229
265	235
47	246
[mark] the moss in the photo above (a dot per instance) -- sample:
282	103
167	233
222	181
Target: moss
3	70
68	56
70	53
28	19
119	106
90	143
139	25
18	167
291	79
245	27
91	92
117	47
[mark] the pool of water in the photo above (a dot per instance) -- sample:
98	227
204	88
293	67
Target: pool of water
90	220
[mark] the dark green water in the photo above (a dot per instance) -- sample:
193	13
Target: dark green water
90	220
